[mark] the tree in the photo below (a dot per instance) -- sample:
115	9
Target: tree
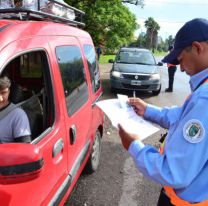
169	41
110	23
152	30
136	2
162	46
90	2
141	40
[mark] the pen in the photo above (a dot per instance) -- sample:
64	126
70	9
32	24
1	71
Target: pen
134	93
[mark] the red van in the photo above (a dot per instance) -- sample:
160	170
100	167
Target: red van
55	79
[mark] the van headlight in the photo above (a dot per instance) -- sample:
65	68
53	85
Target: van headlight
116	74
155	77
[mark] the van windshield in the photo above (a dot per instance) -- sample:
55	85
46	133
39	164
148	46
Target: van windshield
135	57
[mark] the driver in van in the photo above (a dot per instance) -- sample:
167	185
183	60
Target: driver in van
14	123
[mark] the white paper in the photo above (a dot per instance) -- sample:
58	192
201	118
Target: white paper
119	112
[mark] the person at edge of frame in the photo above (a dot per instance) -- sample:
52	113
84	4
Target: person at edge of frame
171	73
99	51
14	123
181	165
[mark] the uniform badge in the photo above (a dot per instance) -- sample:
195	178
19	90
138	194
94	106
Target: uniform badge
193	131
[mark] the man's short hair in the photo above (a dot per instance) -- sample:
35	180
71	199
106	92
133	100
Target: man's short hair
4	82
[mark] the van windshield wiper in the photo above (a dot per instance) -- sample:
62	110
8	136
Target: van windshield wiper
125	62
143	63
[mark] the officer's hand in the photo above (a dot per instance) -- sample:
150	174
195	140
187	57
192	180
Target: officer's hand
139	105
126	138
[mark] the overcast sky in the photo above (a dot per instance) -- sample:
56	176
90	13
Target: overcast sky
170	14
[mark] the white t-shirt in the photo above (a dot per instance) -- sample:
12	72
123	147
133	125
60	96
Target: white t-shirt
14	125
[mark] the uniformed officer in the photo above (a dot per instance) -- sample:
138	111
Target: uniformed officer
171	73
182	164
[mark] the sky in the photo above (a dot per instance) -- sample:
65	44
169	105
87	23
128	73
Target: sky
169	14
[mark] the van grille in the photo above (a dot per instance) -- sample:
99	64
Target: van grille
136	77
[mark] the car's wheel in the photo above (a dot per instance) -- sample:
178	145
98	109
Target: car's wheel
94	159
157	91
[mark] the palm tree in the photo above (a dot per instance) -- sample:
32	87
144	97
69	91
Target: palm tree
152	30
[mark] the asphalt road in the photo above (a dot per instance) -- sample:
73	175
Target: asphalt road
117	181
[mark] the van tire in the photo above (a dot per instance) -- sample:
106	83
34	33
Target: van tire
94	158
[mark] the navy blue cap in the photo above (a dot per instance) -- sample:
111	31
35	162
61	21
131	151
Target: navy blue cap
194	30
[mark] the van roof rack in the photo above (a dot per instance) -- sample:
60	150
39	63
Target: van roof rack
52	10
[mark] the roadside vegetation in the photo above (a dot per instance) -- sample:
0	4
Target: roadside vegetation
112	25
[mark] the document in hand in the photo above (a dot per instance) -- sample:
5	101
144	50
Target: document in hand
119	112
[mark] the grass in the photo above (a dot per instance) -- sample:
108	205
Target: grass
105	58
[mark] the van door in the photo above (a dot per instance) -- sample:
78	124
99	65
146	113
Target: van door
76	99
96	90
49	188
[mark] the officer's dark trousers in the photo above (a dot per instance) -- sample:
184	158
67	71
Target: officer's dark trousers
163	199
171	74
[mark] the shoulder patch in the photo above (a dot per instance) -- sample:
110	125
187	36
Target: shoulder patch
193	131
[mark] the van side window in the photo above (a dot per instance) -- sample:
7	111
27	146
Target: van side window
31	87
90	55
73	77
31	65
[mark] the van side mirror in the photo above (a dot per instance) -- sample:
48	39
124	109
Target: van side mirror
111	61
159	64
19	162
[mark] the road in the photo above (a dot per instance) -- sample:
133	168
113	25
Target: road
117	181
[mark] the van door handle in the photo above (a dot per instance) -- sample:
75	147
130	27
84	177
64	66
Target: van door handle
58	147
73	134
